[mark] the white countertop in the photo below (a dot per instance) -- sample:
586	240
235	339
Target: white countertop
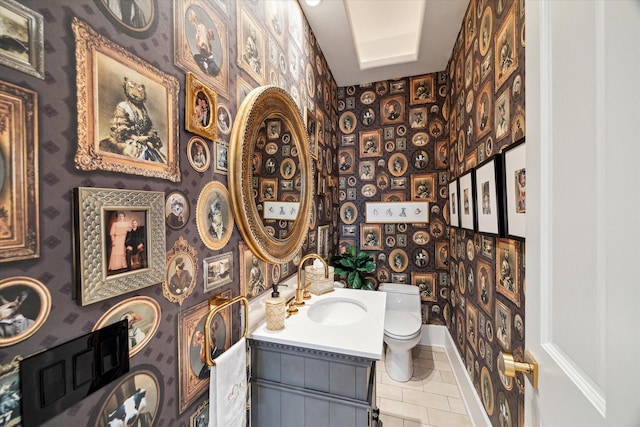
364	338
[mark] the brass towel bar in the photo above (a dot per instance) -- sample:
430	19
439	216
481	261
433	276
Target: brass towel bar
215	305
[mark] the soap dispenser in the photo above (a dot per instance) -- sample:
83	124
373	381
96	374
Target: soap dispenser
275	309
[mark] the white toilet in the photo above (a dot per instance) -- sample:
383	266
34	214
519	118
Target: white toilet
402	328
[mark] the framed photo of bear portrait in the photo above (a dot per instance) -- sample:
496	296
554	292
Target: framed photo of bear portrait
119	241
127	110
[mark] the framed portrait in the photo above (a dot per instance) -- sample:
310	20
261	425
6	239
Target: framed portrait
371	143
142	381
206	57
423	187
200	417
467	200
176	210
398	164
506	49
111	84
223	118
346	163
23	38
515	192
26	306
503	325
488	189
442	255
472	326
10	392
251	46
484	281
367	170
198	154
181	271
323	241
221	161
138	18
398	260
200	108
502	115
119	241
253	274
218	271
371	237
19	194
268	189
426	283
312	132
348	213
392	110
454	204
143	319
193	370
422	90
507	280
213	215
484	111
418	118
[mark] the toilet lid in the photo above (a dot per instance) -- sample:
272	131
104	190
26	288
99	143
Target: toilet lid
401	323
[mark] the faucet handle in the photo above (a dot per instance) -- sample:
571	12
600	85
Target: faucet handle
292	309
306	294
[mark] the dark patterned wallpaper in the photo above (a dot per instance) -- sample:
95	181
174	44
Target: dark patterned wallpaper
485	312
288	57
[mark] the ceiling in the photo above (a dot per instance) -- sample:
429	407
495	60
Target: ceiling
367	41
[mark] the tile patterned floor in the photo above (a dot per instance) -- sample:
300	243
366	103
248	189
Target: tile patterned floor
431	397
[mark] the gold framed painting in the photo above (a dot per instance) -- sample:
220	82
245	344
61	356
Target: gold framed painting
181	271
213	215
200	107
103	221
19	199
506	49
23	38
206	56
127	110
193	370
251	46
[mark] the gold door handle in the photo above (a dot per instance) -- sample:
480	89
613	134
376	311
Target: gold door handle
508	366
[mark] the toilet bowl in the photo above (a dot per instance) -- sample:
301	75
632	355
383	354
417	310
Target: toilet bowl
402	329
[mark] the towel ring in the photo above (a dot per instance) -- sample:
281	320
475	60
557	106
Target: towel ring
215	305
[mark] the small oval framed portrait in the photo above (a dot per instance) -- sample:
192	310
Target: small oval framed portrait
348	122
288	168
176	210
224	119
198	154
398	164
213	215
348	213
25	306
137	18
181	271
143	317
142	382
398	260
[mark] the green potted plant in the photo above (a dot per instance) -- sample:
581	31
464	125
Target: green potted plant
354	265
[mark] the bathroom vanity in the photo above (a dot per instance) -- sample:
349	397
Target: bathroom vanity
320	369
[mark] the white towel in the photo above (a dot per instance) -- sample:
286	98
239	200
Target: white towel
228	388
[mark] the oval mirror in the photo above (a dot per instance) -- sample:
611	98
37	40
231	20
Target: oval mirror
270	174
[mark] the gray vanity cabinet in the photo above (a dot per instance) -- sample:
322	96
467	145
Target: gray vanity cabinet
300	387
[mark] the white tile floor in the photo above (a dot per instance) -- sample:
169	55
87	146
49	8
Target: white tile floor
431	397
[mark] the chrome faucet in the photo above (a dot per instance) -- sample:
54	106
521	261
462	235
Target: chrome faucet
301	292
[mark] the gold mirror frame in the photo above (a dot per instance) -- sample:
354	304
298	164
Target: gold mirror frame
262	103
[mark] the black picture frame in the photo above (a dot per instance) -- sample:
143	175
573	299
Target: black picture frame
467	200
514	190
489	202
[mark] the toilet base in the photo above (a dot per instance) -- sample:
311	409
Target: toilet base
399	364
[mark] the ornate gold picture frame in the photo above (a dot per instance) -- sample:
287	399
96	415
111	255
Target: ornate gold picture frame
200	108
25	27
181	271
127	110
19	199
93	242
31	304
213	216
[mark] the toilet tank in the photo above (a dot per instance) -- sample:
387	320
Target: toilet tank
401	297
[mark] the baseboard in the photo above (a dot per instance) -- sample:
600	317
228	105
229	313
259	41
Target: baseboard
439	336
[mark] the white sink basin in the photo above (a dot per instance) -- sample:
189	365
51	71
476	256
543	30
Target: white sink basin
337	311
